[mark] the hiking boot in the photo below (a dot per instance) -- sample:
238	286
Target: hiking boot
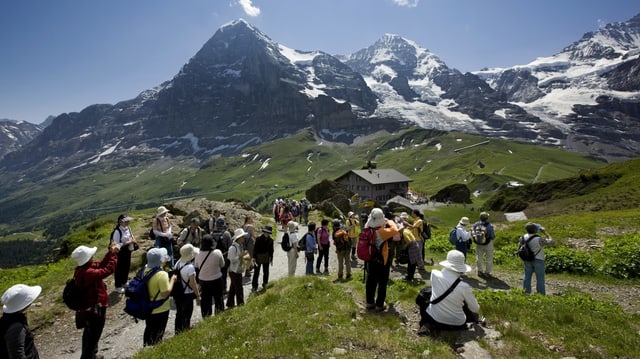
348	276
371	306
381	309
326	271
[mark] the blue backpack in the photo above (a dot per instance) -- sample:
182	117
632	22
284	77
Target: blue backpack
453	236
138	304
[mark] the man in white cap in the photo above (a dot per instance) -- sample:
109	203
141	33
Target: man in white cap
90	275
458	305
17	339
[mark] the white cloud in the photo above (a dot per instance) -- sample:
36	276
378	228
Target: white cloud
248	8
407	3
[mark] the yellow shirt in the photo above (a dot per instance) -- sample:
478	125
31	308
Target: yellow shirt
417	229
159	282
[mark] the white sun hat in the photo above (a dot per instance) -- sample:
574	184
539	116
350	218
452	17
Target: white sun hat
19	297
455	262
82	254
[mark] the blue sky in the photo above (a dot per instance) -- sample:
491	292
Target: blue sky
60	56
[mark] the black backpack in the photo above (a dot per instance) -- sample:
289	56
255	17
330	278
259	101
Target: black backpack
286	242
180	285
524	252
74	296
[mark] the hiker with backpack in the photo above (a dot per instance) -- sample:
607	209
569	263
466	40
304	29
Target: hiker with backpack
159	288
343	247
463	237
373	248
126	242
89	276
16	339
452	304
535	264
483	235
353	229
237	253
210	263
292	253
324	244
192	234
307	244
185	290
262	258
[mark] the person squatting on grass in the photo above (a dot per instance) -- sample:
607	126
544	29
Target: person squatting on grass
210	262
16	340
485	250
458	307
159	287
126	242
90	276
379	266
536	266
324	244
310	247
186	272
292	254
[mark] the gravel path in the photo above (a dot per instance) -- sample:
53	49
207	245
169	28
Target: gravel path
122	336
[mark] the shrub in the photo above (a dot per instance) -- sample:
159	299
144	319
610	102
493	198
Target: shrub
570	261
621	257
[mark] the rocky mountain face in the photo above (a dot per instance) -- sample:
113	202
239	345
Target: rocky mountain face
590	90
15	134
242	88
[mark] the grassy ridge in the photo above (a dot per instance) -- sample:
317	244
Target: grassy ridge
294	164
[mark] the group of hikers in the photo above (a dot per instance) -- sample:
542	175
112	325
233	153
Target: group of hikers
208	257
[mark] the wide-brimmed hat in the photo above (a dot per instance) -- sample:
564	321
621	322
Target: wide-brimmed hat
188	252
156	256
484	216
350	214
162	210
267	229
18	297
292	226
464	221
455	262
376	218
239	233
124	218
82	254
404	215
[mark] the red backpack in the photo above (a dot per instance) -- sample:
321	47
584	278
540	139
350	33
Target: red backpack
366	248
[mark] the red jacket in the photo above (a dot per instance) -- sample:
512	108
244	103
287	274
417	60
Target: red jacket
91	276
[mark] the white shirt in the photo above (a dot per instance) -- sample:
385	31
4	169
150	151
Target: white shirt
211	269
186	271
461	232
126	236
449	310
235	260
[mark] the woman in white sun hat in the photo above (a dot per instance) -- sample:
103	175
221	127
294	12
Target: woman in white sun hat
90	275
459	306
17	338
